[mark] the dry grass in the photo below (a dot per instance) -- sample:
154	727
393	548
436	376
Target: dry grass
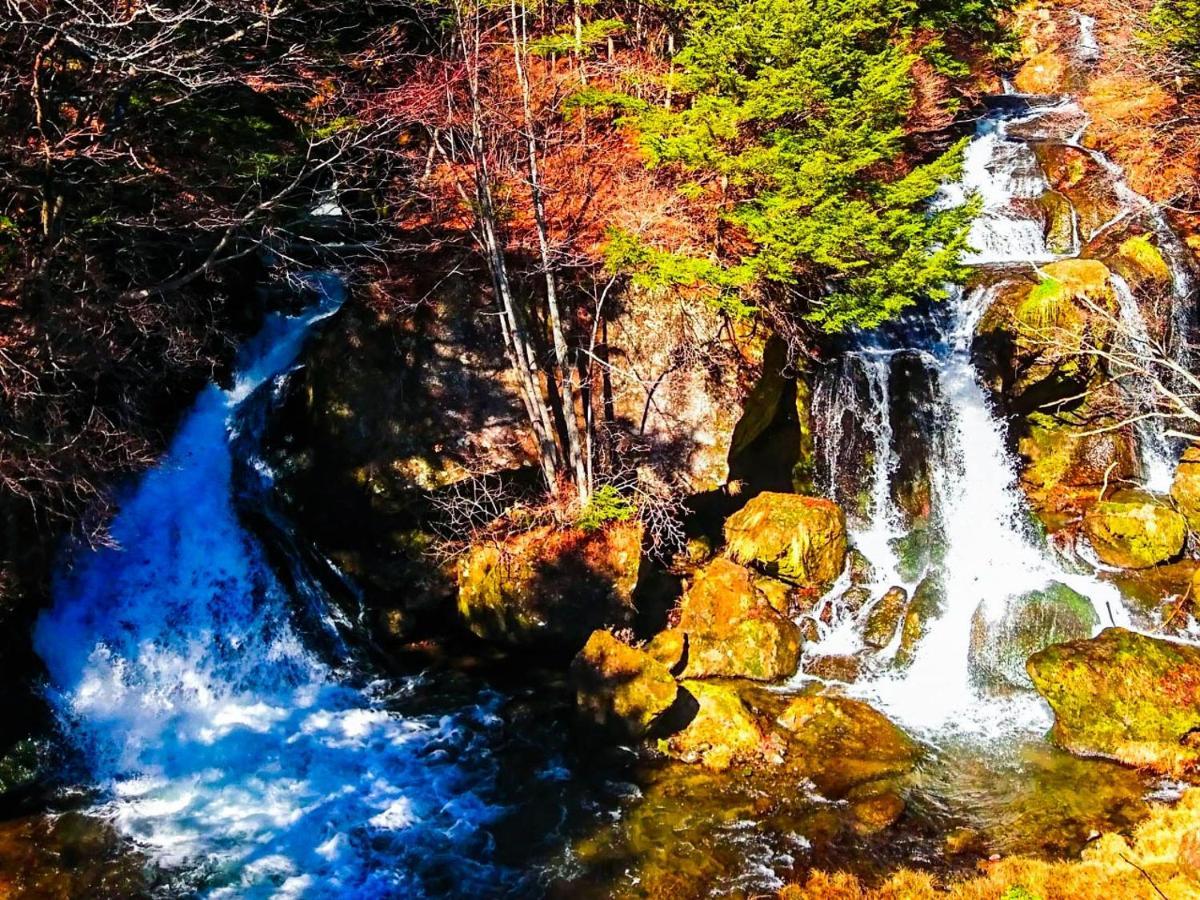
1145	865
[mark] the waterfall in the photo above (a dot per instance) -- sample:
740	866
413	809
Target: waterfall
221	743
991	549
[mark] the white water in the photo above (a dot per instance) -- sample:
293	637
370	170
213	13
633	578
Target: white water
219	741
992	552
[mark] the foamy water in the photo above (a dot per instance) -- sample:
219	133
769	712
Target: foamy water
221	744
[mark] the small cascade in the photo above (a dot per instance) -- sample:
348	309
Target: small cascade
989	548
229	750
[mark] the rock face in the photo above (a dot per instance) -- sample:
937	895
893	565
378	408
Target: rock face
1124	696
801	539
1000	645
842	744
732	628
722	731
550	585
1185	490
1134	530
620	689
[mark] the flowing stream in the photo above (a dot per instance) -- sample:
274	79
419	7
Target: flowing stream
219	741
990	550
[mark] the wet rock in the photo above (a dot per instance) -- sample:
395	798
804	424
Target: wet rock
619	688
884	618
801	539
844	667
721	732
669	647
876	811
1042	73
1139	261
861	570
68	856
733	631
1134	530
851	601
1060	456
914	551
550	585
927	605
841	743
1002	641
1060	222
1124	696
1185	490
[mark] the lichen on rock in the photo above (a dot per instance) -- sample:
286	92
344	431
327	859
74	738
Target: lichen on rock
1135	530
801	539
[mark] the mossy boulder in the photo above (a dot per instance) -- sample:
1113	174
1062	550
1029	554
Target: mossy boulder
722	729
879	627
669	647
1033	339
1135	530
1185	490
1062	453
1042	73
550	585
801	539
732	628
843	667
840	744
1124	696
620	689
1060	222
926	607
1139	261
1002	641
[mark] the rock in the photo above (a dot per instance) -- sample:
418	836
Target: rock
861	571
851	602
875	812
928	603
1001	644
1059	453
1185	490
884	618
778	593
844	667
841	744
1139	261
733	631
1033	338
1134	530
669	647
722	731
1124	696
549	585
1060	222
800	539
619	688
1043	73
914	551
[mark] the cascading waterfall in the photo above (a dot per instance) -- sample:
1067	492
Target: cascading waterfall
221	743
991	550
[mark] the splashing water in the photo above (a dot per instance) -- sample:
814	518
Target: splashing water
222	745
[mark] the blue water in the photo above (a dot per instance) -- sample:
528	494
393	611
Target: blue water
242	763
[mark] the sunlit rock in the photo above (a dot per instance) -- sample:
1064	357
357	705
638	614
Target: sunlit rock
619	688
1002	640
1124	696
1185	490
927	605
1134	530
884	618
732	628
844	667
722	730
550	585
1043	73
801	539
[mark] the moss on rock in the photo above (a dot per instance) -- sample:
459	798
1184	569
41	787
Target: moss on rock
927	605
1185	489
884	618
732	628
1124	696
801	539
619	688
721	732
1000	644
1134	530
550	585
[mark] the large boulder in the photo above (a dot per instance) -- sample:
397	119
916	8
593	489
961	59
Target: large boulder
732	628
619	688
1134	530
1185	490
550	585
1067	461
801	539
1002	640
1034	339
841	744
1124	696
722	729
